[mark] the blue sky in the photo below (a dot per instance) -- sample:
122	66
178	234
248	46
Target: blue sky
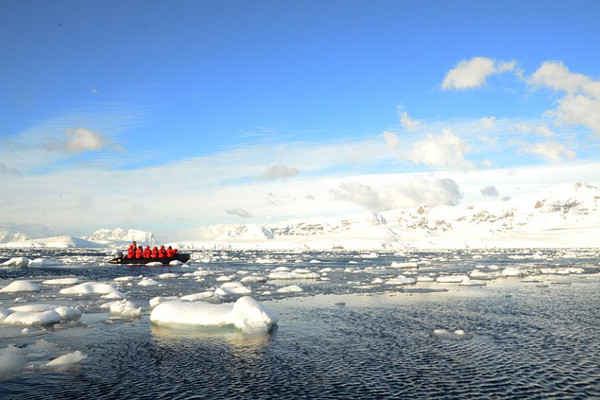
168	117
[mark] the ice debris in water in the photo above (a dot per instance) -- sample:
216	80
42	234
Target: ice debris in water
21	286
245	314
458	334
61	281
67	359
17	262
92	288
123	308
44	262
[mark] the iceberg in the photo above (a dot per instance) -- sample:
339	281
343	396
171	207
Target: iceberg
245	314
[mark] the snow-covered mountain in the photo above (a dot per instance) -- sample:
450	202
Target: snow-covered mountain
122	237
6	236
566	216
55	242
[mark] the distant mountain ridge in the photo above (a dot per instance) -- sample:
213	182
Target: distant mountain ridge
565	216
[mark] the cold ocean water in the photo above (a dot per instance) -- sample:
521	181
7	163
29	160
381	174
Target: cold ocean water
350	333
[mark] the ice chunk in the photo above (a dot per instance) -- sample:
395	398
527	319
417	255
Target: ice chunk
67	359
290	289
401	280
32	318
145	282
512	272
458	334
252	317
154	264
12	360
16	262
232	288
124	308
246	314
61	281
405	265
452	279
91	288
43	262
68	313
21	286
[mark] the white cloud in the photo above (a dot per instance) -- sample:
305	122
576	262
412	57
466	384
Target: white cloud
411	193
439	151
279	171
538	130
470	74
240	212
488	122
580	104
550	151
490	191
391	139
79	140
409	123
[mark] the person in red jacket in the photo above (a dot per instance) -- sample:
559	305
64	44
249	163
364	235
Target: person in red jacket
161	252
131	250
139	252
147	252
155	252
175	251
169	251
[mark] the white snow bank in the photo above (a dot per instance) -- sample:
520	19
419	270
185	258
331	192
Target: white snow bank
92	288
21	286
67	359
246	314
16	262
458	334
123	308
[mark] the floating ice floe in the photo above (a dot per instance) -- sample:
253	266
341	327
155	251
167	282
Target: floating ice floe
246	314
67	359
146	282
161	299
253	279
290	289
478	274
61	281
16	262
175	263
232	289
168	275
38	314
512	272
21	286
458	334
404	265
198	296
123	308
452	279
44	262
425	278
401	280
472	282
297	274
93	288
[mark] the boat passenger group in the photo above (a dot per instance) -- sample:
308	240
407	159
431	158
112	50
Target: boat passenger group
135	251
